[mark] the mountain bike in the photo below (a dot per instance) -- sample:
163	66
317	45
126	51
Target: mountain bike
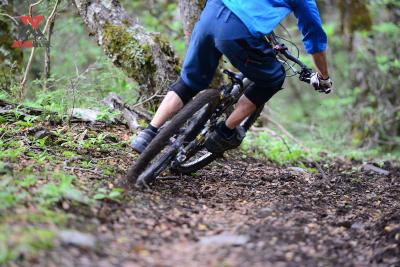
180	144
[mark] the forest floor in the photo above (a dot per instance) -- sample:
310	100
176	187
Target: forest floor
60	207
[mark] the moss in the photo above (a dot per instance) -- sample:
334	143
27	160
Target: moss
202	3
135	59
167	50
125	22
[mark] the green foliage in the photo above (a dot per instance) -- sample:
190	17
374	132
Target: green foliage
68	154
27	182
16	241
387	28
274	148
106	115
7	197
35	195
53	192
11	150
115	194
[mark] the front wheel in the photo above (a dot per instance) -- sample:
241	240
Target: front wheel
186	124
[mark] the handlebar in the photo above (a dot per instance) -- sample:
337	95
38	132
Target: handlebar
305	73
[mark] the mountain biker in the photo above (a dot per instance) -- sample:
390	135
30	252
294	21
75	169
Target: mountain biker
235	28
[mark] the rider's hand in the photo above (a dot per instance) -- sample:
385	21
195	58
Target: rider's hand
320	84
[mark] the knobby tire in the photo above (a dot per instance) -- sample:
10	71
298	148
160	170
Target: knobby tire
210	97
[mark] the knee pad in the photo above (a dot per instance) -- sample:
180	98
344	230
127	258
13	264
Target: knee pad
183	91
260	95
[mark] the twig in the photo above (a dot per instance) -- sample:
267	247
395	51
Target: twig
147	100
28	68
29	65
52	16
286	132
66	167
320	170
274	134
6	15
32	5
47	58
73	101
286	144
85	170
244	171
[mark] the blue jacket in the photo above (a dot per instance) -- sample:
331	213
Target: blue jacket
262	16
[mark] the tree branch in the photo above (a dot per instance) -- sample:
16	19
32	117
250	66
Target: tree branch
12	18
29	65
32	5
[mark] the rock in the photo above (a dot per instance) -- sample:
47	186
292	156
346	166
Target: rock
75	238
264	212
88	115
372	168
43	133
297	170
224	240
267	178
357	226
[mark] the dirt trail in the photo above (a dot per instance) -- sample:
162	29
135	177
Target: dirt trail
290	219
244	212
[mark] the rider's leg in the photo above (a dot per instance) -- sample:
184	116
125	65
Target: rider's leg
257	61
171	104
197	72
228	135
175	99
243	109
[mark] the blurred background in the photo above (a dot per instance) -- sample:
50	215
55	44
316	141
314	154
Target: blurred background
359	120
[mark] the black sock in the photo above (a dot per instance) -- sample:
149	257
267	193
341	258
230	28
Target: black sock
226	132
152	128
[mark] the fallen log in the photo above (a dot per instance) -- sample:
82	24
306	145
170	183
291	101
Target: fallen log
114	102
129	116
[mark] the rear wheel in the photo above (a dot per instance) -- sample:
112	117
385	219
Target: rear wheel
185	125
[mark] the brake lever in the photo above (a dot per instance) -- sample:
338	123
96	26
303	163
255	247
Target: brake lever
305	75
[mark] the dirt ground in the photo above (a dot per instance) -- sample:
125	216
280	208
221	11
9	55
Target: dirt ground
241	211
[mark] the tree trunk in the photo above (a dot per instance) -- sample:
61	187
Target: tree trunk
47	59
190	11
8	55
145	57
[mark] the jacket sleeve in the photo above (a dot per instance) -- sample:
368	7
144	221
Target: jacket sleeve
310	25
